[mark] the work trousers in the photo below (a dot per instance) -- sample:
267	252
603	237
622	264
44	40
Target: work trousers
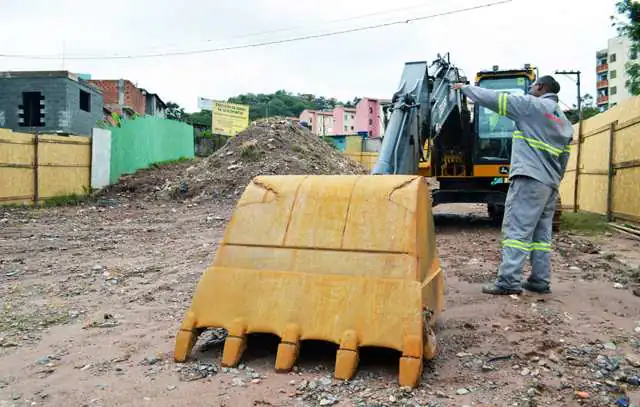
526	229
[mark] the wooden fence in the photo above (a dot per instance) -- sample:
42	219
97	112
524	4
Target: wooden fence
38	167
603	174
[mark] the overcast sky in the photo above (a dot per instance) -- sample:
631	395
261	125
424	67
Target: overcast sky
551	34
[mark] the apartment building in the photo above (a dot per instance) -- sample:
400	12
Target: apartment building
611	76
365	118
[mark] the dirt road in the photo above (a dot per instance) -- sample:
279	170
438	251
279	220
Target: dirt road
91	298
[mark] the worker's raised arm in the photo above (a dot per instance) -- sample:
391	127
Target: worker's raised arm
503	103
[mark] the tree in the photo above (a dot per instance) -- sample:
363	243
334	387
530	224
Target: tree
589	109
283	103
175	112
630	28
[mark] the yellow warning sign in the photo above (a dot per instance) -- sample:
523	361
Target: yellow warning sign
229	118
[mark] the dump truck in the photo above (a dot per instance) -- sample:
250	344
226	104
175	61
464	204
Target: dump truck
352	259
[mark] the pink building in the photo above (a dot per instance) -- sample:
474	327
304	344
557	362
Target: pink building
322	123
344	120
366	117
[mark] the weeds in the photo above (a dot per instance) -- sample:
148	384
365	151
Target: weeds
251	153
171	162
588	223
64	200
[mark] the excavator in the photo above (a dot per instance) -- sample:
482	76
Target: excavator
352	259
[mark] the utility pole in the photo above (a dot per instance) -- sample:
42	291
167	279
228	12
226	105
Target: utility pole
579	144
577	74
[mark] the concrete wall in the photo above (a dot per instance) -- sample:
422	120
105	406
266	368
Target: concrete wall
61	104
80	121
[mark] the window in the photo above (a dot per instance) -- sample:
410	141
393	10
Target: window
370	110
370	122
345	128
494	131
32	107
612	58
351	128
613	90
85	101
613	74
351	117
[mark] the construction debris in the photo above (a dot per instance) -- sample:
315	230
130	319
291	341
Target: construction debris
268	147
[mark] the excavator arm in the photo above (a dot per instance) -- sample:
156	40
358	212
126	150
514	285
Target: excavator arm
422	105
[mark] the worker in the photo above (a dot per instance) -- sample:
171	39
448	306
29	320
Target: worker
539	156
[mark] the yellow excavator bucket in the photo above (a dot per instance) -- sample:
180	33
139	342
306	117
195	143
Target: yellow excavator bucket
348	259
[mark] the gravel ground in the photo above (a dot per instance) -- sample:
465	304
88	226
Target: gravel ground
91	298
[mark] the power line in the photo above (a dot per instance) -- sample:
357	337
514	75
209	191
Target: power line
259	44
293	28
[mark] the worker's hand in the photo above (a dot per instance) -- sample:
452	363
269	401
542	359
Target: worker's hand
457	85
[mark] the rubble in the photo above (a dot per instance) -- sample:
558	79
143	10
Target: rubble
268	147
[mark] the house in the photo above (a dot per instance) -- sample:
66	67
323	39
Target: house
48	101
121	96
154	106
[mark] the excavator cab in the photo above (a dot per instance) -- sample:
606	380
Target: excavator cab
471	161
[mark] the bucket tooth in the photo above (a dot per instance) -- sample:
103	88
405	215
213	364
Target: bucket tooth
186	338
234	344
347	357
288	349
411	362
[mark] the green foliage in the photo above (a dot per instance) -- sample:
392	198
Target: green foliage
283	103
64	200
175	112
329	140
250	152
199	119
261	105
589	109
587	223
171	162
630	28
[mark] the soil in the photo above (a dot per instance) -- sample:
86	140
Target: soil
268	147
91	298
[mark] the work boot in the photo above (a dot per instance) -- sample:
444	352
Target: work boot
497	290
537	287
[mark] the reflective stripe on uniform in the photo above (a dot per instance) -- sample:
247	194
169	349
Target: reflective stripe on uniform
537	144
527	247
541	246
517	244
502	104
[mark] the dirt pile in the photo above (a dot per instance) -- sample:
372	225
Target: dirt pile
269	147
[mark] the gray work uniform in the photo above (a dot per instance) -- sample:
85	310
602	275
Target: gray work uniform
539	156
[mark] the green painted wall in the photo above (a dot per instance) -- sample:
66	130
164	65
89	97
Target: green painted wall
144	141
